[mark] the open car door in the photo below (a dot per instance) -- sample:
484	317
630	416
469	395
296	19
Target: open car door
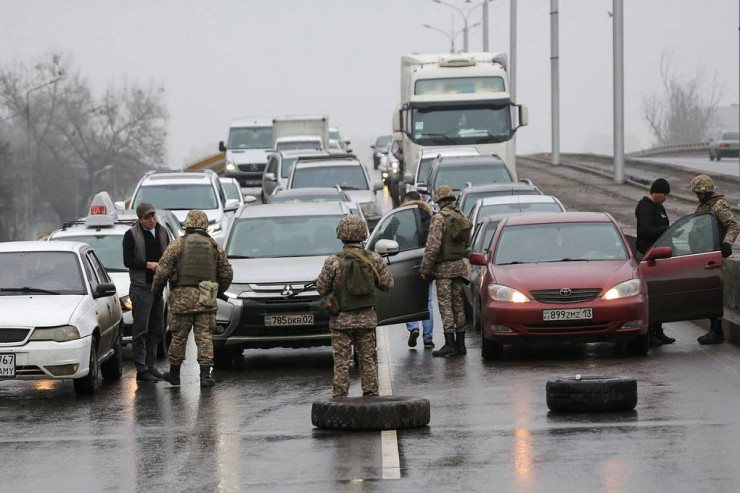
407	301
688	285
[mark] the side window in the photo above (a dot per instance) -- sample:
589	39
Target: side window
691	235
220	190
90	271
99	270
272	165
402	227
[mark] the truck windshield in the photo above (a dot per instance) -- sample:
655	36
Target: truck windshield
177	197
347	177
250	138
440	125
459	85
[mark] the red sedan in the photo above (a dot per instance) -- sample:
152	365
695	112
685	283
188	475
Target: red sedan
572	276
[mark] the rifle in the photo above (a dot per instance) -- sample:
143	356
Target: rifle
305	287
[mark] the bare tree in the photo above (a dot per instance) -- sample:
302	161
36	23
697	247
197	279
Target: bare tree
681	114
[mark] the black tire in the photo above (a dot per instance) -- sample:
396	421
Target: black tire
491	349
591	393
475	315
388	412
113	368
223	358
639	346
89	384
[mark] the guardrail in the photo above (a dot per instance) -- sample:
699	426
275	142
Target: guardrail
215	162
695	148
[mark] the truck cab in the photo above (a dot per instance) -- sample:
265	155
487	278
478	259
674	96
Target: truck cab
250	140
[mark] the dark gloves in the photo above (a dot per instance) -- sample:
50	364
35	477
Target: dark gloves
726	249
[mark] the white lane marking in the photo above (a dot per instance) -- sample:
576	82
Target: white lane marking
388	438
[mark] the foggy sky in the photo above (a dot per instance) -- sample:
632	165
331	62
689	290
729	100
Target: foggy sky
219	60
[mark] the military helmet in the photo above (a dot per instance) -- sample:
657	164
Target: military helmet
351	228
444	192
702	183
196	219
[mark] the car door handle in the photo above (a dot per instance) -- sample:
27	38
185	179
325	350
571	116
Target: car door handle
417	267
712	265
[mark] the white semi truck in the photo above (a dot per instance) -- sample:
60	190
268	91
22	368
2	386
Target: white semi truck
458	99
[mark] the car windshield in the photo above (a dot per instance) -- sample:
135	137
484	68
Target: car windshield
458	176
297	145
730	136
294	236
177	197
469	199
306	198
250	138
559	242
489	210
231	190
108	248
23	273
382	142
347	177
439	125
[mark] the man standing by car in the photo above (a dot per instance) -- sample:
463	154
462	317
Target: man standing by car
198	271
652	221
449	237
703	187
143	246
348	281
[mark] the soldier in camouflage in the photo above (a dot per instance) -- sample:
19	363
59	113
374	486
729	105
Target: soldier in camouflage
198	271
443	261
703	187
355	322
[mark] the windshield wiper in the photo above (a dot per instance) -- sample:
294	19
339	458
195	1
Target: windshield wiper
568	259
26	289
444	137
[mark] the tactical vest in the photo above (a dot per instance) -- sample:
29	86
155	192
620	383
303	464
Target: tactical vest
707	207
457	230
359	278
197	261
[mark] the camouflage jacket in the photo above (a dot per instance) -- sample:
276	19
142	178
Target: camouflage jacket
185	299
728	227
430	264
331	274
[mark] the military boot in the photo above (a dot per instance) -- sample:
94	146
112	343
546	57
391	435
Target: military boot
660	335
653	339
173	376
460	342
715	335
206	379
449	348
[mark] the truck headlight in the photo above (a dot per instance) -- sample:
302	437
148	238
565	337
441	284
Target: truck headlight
58	334
623	290
230	166
504	293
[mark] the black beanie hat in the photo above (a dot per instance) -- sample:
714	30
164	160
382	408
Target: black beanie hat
660	186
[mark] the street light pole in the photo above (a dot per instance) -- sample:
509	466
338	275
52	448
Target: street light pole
618	35
465	21
554	83
451	36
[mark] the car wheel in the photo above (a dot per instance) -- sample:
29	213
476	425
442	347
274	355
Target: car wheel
388	412
223	358
476	315
113	368
491	349
89	384
639	346
591	394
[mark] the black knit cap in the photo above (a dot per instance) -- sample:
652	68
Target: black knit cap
660	186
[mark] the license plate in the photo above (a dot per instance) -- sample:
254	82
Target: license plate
568	314
283	320
7	365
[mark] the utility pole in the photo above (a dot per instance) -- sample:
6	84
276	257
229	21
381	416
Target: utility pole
512	61
554	83
485	25
618	35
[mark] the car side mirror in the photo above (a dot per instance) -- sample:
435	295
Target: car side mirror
221	146
477	259
658	253
387	247
270	177
377	185
231	205
120	204
104	289
249	199
349	150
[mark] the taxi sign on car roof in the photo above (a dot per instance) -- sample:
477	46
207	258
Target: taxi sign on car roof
102	211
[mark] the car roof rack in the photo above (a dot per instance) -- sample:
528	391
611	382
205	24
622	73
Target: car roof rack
329	157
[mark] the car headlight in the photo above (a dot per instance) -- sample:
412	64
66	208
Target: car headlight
394	166
370	209
385	175
623	290
58	334
126	303
230	166
214	228
499	292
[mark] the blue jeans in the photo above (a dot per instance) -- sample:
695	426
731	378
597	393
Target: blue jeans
428	324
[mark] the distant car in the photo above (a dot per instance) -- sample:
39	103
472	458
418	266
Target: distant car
461	172
418	175
342	143
379	148
724	144
512	204
299	142
60	317
278	169
250	139
572	277
470	195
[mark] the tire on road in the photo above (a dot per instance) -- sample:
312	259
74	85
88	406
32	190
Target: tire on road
388	412
592	393
112	369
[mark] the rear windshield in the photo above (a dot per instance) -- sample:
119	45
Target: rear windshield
177	197
731	136
489	210
347	177
35	272
469	200
458	176
276	198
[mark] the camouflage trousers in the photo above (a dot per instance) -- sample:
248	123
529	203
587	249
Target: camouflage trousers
180	328
451	308
341	344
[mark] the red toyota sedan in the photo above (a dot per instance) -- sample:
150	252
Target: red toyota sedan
571	276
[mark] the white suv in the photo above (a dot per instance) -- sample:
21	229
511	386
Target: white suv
180	191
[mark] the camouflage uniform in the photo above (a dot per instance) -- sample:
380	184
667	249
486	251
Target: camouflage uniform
183	302
356	327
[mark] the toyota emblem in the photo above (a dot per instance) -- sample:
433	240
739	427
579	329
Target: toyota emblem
287	291
565	292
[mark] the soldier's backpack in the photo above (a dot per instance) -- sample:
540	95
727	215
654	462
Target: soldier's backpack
360	278
457	224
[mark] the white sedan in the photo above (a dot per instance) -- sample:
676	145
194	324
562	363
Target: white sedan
60	317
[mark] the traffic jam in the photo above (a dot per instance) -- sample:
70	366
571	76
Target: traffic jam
275	247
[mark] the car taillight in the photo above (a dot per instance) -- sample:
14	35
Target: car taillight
724	144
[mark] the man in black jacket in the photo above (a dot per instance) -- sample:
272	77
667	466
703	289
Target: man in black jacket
652	221
143	246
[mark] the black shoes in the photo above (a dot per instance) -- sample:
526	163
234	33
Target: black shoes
660	335
428	344
460	343
146	376
206	379
173	376
159	375
413	336
450	347
715	334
